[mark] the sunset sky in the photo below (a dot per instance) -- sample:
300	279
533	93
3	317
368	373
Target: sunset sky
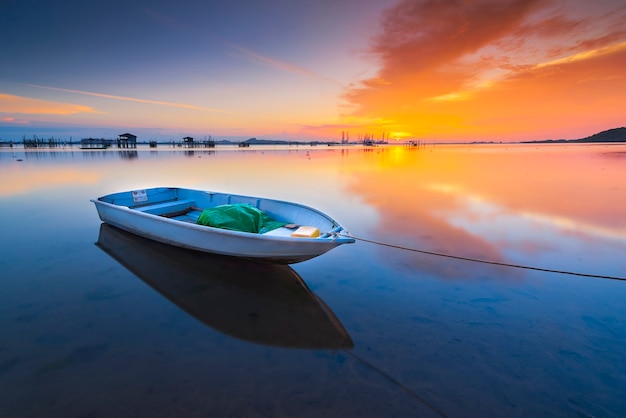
501	70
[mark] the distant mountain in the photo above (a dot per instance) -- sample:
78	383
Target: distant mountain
611	135
254	141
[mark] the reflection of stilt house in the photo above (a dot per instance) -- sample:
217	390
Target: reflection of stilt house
127	141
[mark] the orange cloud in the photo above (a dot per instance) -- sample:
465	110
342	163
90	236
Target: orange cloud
17	104
13	121
515	69
578	91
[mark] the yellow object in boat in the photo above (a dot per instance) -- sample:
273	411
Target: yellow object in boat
306	232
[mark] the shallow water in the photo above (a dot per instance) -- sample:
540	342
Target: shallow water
364	330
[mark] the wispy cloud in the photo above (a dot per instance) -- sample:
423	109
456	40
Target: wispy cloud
25	105
132	99
284	65
585	55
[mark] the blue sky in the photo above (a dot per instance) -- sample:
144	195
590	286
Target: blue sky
240	60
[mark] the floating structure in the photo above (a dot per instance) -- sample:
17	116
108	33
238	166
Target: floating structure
222	223
42	143
127	141
95	143
190	142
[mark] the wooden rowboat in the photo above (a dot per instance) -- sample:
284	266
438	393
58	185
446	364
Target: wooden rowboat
170	215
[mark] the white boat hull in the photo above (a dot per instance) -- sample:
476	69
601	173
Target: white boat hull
143	218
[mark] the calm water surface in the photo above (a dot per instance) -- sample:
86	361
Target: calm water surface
98	323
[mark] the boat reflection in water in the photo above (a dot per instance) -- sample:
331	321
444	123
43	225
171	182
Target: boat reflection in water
253	301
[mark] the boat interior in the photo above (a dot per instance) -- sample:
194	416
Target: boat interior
186	210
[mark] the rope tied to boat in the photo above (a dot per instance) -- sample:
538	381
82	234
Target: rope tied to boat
477	260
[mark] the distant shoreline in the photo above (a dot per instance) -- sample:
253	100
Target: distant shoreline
571	141
616	135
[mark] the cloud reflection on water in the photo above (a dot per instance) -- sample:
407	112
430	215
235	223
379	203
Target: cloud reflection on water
497	203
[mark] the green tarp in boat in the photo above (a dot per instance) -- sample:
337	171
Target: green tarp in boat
238	217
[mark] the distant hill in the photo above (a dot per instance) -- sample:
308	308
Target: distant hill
611	135
254	141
